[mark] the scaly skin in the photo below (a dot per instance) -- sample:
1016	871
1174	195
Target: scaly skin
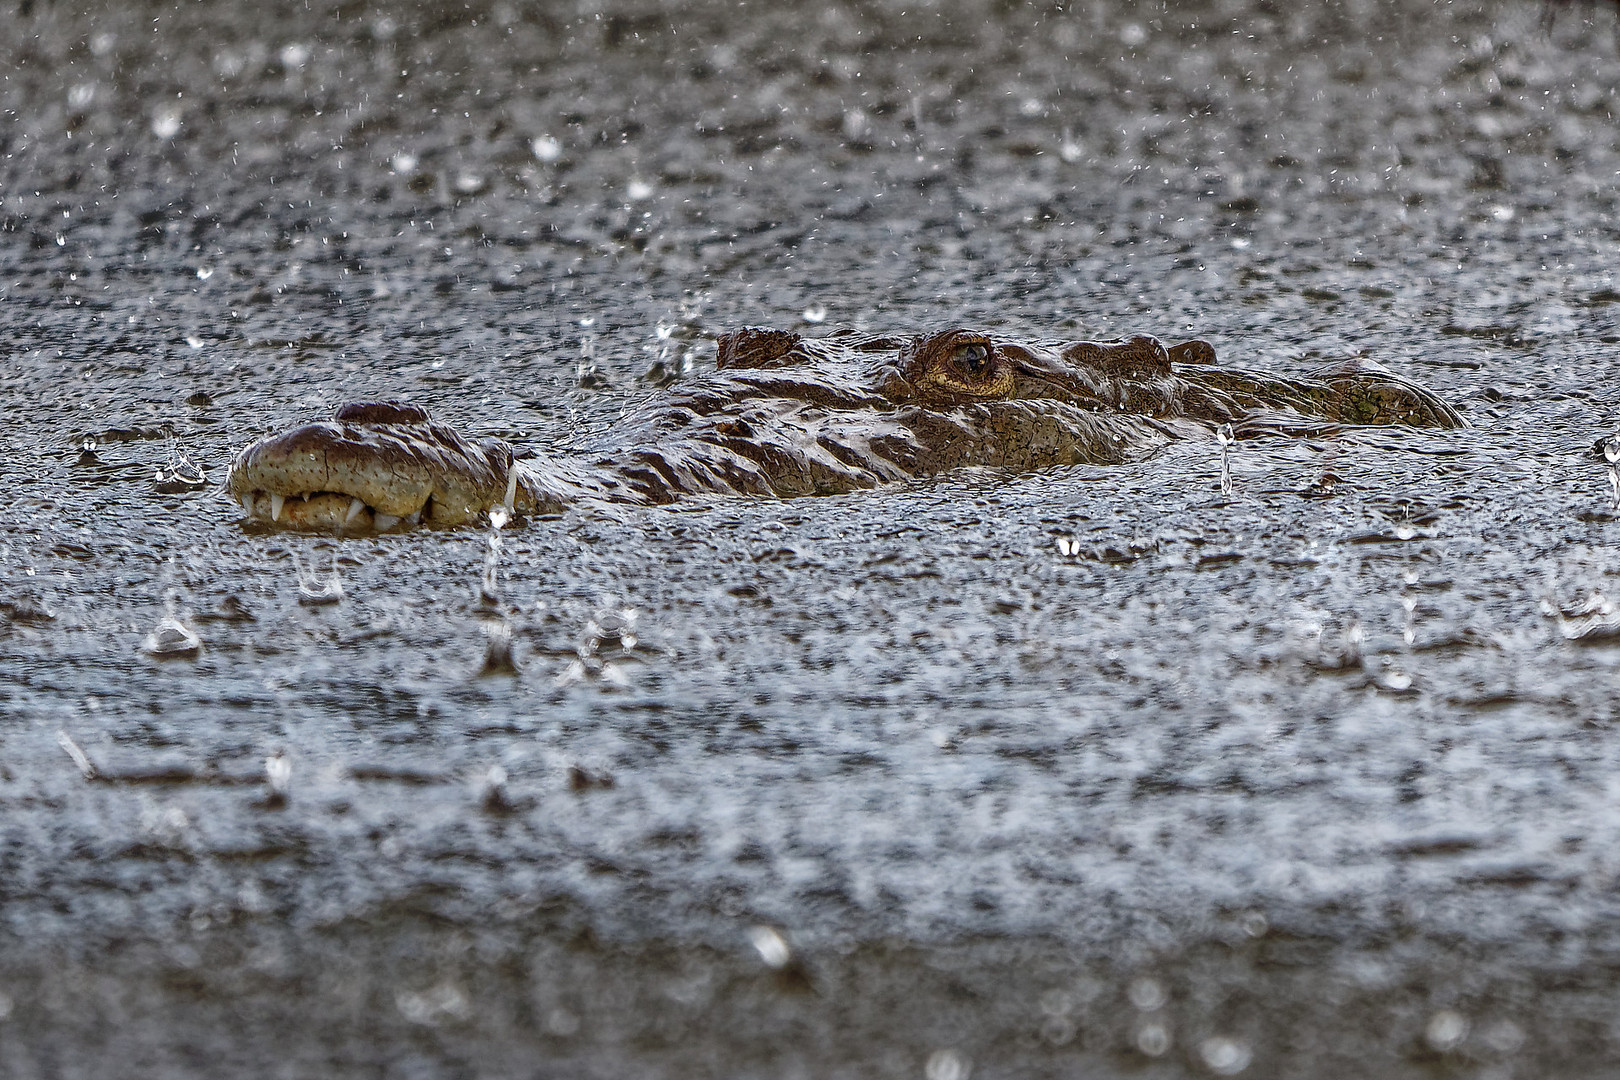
785	416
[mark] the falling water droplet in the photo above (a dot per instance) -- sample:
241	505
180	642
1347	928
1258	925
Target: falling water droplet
403	163
546	148
815	313
638	190
204	273
166	123
1446	1030
771	946
1224	1056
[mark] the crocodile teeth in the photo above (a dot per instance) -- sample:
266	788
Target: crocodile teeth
385	522
413	518
356	508
276	502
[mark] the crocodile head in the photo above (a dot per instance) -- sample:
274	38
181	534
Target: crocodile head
373	466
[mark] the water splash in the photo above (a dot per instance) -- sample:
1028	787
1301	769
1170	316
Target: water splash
1594	618
815	313
172	639
313	590
278	776
1611	454
179	473
1226	437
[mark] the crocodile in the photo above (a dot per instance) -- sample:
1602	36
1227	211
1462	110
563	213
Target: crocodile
783	415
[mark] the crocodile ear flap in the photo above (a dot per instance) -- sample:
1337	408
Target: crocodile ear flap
756	347
1140	357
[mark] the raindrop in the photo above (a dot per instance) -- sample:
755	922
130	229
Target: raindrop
1070	149
639	190
166	123
546	149
103	43
294	56
857	125
1502	213
194	341
204	273
815	313
80	759
1148	994
81	95
771	946
61	240
402	163
1224	1056
470	184
948	1065
1446	1030
1153	1039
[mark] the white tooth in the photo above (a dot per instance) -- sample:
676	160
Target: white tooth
511	489
413	518
275	506
356	508
386	522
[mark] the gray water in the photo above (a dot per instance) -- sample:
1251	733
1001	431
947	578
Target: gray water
1087	772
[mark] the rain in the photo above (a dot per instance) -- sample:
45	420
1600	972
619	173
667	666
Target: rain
1268	753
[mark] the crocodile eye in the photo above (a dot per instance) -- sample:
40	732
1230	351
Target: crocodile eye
972	359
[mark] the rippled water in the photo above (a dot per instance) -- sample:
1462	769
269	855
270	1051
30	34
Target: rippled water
1101	771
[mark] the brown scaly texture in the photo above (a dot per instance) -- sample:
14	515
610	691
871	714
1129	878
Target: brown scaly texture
785	416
